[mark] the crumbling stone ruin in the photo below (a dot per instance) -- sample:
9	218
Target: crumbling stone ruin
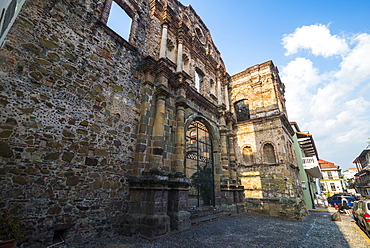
108	134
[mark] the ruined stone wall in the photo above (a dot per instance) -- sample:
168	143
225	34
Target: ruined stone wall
256	84
84	111
80	108
69	95
270	176
166	73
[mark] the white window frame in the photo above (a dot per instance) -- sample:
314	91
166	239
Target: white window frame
4	5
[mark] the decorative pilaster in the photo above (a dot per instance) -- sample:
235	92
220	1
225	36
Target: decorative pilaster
224	154
179	54
163	48
227	98
158	133
178	165
232	158
219	98
140	160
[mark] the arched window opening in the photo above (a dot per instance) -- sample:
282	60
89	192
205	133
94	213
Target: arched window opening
200	35
242	110
248	158
269	154
119	21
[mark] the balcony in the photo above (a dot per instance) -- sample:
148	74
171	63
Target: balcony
311	166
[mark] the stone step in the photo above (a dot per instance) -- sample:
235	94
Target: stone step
198	212
206	215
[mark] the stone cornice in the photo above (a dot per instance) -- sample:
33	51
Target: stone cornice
203	102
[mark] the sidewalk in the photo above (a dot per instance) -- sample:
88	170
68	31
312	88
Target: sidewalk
328	209
350	230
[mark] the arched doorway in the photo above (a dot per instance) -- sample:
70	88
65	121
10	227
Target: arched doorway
199	165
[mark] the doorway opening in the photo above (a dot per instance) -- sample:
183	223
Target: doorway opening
199	165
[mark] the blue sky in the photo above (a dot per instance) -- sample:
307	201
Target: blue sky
322	50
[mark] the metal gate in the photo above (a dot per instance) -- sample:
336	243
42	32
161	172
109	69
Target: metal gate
199	165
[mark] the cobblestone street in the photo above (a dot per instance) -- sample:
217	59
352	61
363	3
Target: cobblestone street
317	230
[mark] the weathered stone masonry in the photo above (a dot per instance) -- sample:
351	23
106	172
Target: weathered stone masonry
267	164
68	120
95	133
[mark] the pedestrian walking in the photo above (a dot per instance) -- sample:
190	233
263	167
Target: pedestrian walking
344	206
320	201
326	204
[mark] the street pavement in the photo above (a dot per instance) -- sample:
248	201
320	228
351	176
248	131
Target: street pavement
246	230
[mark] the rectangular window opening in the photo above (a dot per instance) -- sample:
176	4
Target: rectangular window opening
332	186
197	82
119	21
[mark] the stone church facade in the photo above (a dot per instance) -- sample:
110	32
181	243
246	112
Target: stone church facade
103	133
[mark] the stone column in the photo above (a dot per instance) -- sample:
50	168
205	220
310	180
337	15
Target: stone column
224	154
179	55
227	189
219	92
178	165
158	133
140	160
163	48
232	158
227	98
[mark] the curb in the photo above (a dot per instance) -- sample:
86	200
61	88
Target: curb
323	210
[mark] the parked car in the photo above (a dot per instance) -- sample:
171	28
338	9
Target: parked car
338	200
343	193
361	213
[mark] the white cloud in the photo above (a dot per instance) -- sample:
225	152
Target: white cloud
355	67
354	109
299	77
317	39
334	105
354	70
302	73
328	99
